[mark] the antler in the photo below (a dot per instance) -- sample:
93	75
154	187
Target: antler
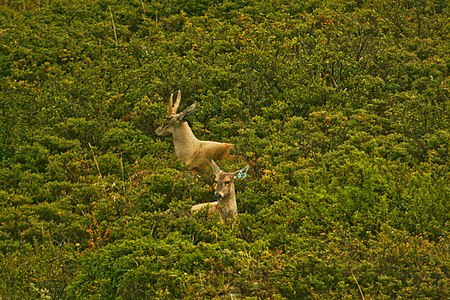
170	110
173	110
177	103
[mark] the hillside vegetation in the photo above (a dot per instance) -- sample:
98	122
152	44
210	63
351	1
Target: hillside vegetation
341	109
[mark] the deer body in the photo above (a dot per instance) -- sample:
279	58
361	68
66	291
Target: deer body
195	153
225	194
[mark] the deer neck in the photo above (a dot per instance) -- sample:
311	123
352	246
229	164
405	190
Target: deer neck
185	142
227	204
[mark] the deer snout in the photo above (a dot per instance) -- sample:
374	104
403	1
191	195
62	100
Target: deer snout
218	195
160	131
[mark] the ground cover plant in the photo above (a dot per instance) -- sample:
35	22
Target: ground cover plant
340	108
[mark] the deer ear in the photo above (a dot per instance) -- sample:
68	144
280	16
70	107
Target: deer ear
242	173
188	111
215	168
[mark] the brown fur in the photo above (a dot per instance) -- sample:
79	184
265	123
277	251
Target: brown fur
195	153
208	151
226	205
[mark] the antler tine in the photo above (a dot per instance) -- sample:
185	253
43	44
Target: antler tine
170	110
177	103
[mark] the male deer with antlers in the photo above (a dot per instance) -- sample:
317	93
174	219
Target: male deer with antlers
225	194
195	153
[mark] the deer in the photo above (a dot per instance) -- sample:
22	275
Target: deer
195	153
225	194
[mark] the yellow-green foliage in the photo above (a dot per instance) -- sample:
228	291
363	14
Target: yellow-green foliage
341	109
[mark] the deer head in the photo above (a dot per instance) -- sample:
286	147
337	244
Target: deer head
225	181
224	193
195	153
173	119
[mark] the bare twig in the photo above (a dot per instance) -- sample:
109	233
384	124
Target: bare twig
143	9
359	287
112	24
98	167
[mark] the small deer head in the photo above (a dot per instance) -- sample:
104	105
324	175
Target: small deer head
225	181
173	119
225	194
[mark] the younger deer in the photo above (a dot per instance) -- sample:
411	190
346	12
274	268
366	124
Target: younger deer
193	152
225	194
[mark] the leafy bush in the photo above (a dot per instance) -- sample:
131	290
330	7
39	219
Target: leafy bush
340	108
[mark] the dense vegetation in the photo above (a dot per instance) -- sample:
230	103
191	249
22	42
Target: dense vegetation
341	109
